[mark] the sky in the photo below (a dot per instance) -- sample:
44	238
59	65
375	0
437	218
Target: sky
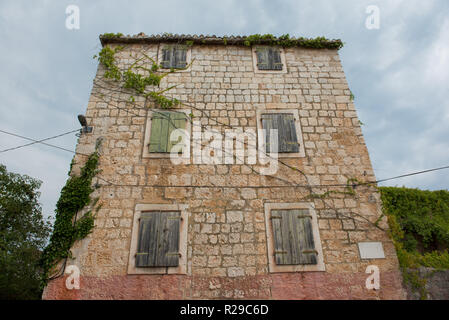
398	72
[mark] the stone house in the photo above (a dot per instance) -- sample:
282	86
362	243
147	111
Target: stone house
218	225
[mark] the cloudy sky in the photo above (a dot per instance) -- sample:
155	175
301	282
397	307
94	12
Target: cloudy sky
398	73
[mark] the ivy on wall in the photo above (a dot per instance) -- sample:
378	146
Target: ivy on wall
75	196
133	79
419	224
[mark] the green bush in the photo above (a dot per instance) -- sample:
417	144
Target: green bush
419	226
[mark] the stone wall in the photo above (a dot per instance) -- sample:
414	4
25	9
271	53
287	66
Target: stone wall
436	285
227	240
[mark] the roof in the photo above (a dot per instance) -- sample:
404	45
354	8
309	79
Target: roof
267	39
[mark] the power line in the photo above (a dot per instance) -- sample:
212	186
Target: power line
37	141
215	186
413	174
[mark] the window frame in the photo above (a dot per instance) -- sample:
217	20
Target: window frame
163	46
261	137
283	60
272	266
182	263
146	153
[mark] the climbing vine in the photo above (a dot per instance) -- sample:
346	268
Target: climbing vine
286	41
106	58
419	226
134	79
75	196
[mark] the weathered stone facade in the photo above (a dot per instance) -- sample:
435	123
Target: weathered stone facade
227	255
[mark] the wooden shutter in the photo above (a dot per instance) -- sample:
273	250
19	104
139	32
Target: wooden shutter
180	56
293	237
159	132
269	59
158	244
167	57
177	121
275	59
285	124
162	125
263	59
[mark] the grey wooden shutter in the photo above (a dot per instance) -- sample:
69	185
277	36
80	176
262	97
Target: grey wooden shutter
293	237
263	59
180	56
269	59
158	244
285	124
275	59
167	57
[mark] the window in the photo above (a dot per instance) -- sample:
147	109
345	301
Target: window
160	137
293	238
158	244
286	122
159	239
174	57
269	60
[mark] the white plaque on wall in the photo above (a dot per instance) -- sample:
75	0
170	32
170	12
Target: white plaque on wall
371	250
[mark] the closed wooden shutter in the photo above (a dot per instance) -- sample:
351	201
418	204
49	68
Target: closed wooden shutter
162	125
269	59
285	125
293	237
174	57
263	61
275	59
167	55
177	121
158	244
180	55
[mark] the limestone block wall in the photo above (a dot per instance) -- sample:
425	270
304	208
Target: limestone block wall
227	253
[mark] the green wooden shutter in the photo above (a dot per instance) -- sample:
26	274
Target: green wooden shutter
285	124
275	59
262	59
177	121
160	122
167	55
158	244
180	56
293	237
162	125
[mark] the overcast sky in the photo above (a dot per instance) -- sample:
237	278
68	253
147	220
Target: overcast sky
398	73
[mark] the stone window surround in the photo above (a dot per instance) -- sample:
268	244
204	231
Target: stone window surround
261	137
283	60
146	153
188	56
272	266
182	266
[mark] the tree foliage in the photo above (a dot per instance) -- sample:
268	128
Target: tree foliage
419	224
23	235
